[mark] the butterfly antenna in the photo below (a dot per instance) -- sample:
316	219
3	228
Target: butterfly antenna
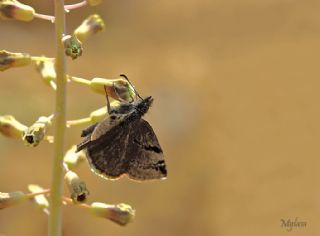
135	91
107	97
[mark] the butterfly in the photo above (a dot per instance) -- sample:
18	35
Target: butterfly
124	143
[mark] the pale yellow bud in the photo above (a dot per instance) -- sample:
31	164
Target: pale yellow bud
121	213
14	10
48	73
90	26
11	199
72	158
119	88
10	59
98	115
36	132
76	186
101	113
10	127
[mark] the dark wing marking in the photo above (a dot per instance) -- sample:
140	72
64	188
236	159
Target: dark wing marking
144	153
131	149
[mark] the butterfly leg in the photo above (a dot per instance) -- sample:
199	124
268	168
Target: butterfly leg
108	102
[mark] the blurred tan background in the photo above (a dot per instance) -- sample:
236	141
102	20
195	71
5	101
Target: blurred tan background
236	88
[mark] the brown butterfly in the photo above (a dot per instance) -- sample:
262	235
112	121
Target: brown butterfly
124	143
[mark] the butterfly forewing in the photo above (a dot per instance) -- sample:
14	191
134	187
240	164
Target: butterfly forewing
107	124
107	158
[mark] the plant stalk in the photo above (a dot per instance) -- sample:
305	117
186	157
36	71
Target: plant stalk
60	124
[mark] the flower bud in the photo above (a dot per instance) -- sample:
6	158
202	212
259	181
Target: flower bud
11	128
41	201
98	115
76	186
119	89
48	73
94	2
72	46
90	26
12	9
121	213
11	199
101	113
72	158
36	132
49	138
10	59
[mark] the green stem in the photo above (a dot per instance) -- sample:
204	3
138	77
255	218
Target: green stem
60	124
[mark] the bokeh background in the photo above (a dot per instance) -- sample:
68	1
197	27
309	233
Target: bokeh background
236	88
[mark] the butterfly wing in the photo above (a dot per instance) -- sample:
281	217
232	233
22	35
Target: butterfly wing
144	153
107	124
106	155
128	148
87	131
98	129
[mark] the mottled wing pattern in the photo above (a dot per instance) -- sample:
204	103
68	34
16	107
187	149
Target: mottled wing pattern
107	124
128	148
97	130
106	155
144	153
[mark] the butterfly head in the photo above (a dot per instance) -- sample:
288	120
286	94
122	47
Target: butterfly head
142	106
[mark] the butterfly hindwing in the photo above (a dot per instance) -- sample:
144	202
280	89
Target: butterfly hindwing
144	153
133	150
